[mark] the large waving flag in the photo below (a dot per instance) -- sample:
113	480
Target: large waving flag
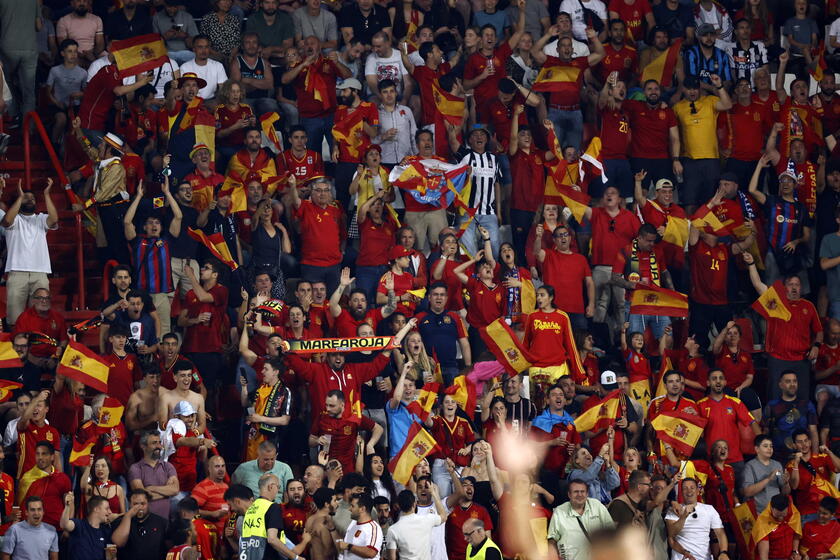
679	429
110	414
556	76
662	67
83	365
464	393
216	244
505	346
773	303
8	356
658	301
422	405
820	65
451	107
418	444
601	415
139	54
348	131
743	521
430	181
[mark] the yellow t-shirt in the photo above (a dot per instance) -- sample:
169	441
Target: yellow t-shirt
698	130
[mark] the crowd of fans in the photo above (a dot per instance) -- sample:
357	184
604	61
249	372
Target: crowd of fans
218	438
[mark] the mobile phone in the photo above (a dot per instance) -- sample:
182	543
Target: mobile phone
332	465
178	26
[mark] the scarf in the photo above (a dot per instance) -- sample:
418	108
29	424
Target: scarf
635	264
746	205
513	303
546	421
271	405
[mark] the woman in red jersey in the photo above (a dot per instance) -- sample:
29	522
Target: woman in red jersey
518	294
96	481
485	296
444	269
588	382
551	217
232	118
548	336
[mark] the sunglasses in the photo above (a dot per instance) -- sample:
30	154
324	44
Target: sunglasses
612	225
693	108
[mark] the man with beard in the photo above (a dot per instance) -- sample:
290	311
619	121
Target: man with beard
826	104
157	477
252	161
364	535
316	115
295	510
661	42
630	508
254	73
274	31
185	108
619	57
654	144
83	27
204	179
140	533
320	525
311	20
357	312
465	510
357	123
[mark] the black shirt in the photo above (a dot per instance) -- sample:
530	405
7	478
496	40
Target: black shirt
118	27
146	539
364	27
183	246
273	520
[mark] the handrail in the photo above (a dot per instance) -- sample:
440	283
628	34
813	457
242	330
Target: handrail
32	117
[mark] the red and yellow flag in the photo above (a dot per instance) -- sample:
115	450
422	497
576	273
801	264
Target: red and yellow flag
505	346
139	54
773	303
820	65
463	391
451	107
765	524
599	416
314	82
216	244
7	388
705	218
565	195
418	444
662	67
267	121
556	76
354	407
679	429
8	356
591	163
80	456
110	414
82	364
422	406
655	300
348	132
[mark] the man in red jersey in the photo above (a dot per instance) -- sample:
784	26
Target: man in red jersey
811	474
765	96
743	150
100	94
313	77
658	212
486	67
207	536
618	56
41	318
295	510
826	104
349	148
426	76
725	413
204	179
123	369
636	14
33	428
820	535
298	160
337	431
169	354
527	170
709	302
615	138
781	540
672	400
568	273
357	311
827	366
322	225
792	344
655	142
465	509
45	481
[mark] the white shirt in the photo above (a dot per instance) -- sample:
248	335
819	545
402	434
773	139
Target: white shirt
366	535
98	65
401	118
578	49
438	533
175	426
574	9
694	536
213	73
26	242
390	68
411	536
833	32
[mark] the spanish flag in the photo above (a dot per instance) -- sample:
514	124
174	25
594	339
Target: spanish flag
565	195
773	303
418	444
555	75
354	407
450	107
139	54
463	391
676	228
8	356
348	131
110	414
744	519
197	126
679	429
601	415
419	293
505	346
80	456
655	300
267	121
765	524
83	365
662	67
422	406
314	81
664	368
216	244
706	219
820	65
7	388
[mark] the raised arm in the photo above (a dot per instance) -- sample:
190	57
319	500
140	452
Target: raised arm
759	196
343	282
755	278
459	270
519	28
52	213
13	210
399	388
66	522
128	219
596	48
780	77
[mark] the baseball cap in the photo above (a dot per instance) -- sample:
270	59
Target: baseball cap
183	408
350	83
663	183
398	251
609	380
705	29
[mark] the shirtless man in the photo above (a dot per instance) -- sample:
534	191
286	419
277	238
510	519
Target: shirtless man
183	371
320	525
141	412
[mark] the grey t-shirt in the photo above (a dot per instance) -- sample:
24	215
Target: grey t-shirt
801	30
323	26
30	542
65	81
755	471
830	248
161	23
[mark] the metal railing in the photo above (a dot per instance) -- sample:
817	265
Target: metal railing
33	118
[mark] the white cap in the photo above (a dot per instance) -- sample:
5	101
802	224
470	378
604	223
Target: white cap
350	83
184	408
608	377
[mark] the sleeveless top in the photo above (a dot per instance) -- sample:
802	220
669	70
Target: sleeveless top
255	72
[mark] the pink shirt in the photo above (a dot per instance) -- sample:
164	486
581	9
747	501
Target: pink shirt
81	29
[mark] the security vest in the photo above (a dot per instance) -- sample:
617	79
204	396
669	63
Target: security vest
254	537
488	544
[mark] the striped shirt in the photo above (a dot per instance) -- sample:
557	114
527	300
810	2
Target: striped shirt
746	61
485	174
785	221
696	64
152	263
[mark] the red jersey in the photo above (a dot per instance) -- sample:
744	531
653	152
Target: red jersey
376	241
658	215
184	460
370	115
736	366
487	89
203	188
557	456
342	432
610	234
66	411
663	404
624	60
567	96
709	273
99	97
548	337
485	303
638	366
694	369
781	541
456	545
167	376
7	487
425	77
752	117
791	340
52	325
826	358
51	489
501	117
713	491
528	175
402	283
632	13
452	437
591	371
455	296
107	441
771	104
567	273
724	416
209	337
828	112
651	128
807	496
323	70
309	165
124	372
346	325
615	133
294	520
321	227
819	539
28	439
206	538
210	497
225	118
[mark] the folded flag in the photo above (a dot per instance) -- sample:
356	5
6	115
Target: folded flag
505	346
7	388
216	244
354	407
419	293
601	415
139	54
422	405
679	429
349	131
83	365
315	83
773	303
706	219
655	300
418	444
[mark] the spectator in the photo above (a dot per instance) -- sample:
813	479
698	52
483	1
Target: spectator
563	28
89	537
33	428
802	34
250	473
361	20
19	52
83	27
711	13
31	538
747	55
101	92
157	477
675	19
273	401
311	20
781	539
223	30
397	130
763	477
809	472
66	82
177	26
817	534
211	71
690	524
209	493
654	149
45	481
761	19
636	14
349	149
140	532
319	261
704	60
131	20
411	535
572	521
253	71
827	366
726	414
490	15
784	416
630	508
745	150
274	29
364	534
536	17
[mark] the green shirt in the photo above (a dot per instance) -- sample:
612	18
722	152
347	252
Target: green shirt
565	530
271	35
249	474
